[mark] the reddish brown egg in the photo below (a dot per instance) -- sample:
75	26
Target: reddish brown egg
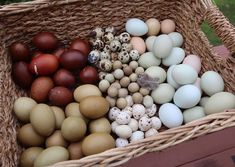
81	45
45	41
21	74
58	52
36	53
89	75
73	59
65	78
40	89
19	52
44	64
60	96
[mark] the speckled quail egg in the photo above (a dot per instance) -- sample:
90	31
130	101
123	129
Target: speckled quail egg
134	54
105	65
107	48
137	135
102	75
120	142
124	37
145	123
123	118
151	132
114	56
111	29
115	46
138	110
105	55
124	57
128	110
98	32
151	111
156	123
107	37
126	47
113	113
98	44
93	56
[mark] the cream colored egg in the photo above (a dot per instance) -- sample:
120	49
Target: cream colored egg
156	72
149	43
148	59
86	90
162	46
176	57
123	131
153	26
193	114
203	101
163	93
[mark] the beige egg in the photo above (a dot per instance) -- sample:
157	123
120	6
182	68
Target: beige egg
111	101
29	155
137	98
124	82
59	116
121	103
138	44
133	87
75	151
167	26
56	139
100	125
153	26
86	90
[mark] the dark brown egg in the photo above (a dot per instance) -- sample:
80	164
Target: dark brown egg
89	75
45	41
19	52
65	78
58	52
73	59
44	64
81	45
40	89
60	96
21	75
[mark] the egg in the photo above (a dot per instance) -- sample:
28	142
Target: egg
156	123
29	155
145	123
60	96
100	125
136	136
65	78
19	51
220	102
184	74
149	42
56	139
203	101
75	150
136	27
123	131
58	52
123	118
89	75
59	116
138	44
96	143
211	82
167	26
51	156
80	45
73	129
43	119
138	111
194	61
45	41
170	79
151	132
194	113
176	57
187	96
176	38
162	46
86	90
157	73
163	93
148	59
94	107
72	110
197	84
120	142
147	101
153	26
133	124
170	115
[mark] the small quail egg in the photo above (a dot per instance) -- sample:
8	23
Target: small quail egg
115	46
93	56
117	65
129	100
121	103
133	87
137	98
134	54
128	110
151	132
112	101
114	124
126	47
138	110
124	82
118	73
114	56
123	131
105	55
133	124
123	118
107	48
123	57
122	92
98	44
98	32
133	64
151	111
133	77
102	75
137	135
156	123
116	85
112	91
107	37
113	113
147	101
144	91
111	29
124	37
145	123
110	78
127	70
120	142
139	70
104	85
105	65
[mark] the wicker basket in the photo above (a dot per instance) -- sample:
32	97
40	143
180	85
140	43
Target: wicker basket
72	18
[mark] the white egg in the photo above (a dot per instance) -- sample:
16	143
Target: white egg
148	101
170	79
149	43
148	59
211	83
137	135
156	123
120	142
114	124
170	115
156	72
177	39
176	57
162	46
203	101
133	124
220	102
136	27
123	131
194	113
187	96
184	74
151	132
163	93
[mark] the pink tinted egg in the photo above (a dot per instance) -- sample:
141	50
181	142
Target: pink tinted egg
193	61
138	44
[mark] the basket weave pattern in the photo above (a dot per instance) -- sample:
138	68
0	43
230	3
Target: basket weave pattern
72	18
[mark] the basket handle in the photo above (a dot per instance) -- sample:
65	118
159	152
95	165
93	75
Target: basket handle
221	25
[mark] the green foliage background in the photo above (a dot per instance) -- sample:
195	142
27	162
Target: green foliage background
226	6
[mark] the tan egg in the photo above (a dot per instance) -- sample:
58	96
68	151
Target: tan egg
133	87
127	70
86	90
112	91
144	91
100	125
167	26
56	139
75	151
133	64
137	98
111	101
122	92
121	103
153	26
133	77
117	65
29	155
59	116
125	81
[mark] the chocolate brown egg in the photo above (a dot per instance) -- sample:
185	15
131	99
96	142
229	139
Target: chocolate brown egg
60	96
73	59
21	75
81	45
89	75
19	52
44	64
40	89
45	41
65	78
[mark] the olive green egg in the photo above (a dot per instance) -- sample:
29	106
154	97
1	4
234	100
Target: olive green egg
56	139
100	125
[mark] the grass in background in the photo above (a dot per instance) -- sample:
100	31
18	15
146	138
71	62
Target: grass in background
226	6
